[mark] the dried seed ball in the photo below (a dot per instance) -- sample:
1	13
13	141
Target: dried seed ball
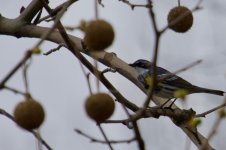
185	23
29	114
99	107
99	35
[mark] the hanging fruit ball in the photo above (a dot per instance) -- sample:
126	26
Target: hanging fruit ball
99	35
29	114
183	24
99	107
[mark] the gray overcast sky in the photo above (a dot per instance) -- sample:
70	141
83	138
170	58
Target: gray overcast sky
58	83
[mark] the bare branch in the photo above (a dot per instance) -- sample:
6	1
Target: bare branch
214	129
108	59
136	5
55	49
14	90
92	139
180	70
105	136
27	56
25	69
211	110
87	76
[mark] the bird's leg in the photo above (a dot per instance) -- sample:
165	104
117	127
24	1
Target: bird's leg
162	106
172	102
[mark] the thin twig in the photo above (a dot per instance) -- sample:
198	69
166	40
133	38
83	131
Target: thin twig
27	56
57	19
25	69
100	3
212	133
14	90
178	2
92	139
87	76
211	110
96	10
39	144
214	128
55	49
37	136
136	5
139	138
155	56
105	136
180	70
97	79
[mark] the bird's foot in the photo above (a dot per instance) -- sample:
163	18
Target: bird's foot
163	106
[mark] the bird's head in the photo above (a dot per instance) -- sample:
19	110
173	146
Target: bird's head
141	63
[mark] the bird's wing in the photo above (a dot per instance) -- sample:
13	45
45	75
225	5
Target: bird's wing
172	80
177	82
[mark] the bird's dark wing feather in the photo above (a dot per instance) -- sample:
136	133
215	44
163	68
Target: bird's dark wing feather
160	71
173	80
177	82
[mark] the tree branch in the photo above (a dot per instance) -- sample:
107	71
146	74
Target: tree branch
30	11
109	59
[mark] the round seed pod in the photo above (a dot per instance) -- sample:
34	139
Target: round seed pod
183	24
29	114
99	107
99	35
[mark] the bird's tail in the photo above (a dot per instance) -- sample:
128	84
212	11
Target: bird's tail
210	91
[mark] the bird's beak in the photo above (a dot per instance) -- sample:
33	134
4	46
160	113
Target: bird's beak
132	65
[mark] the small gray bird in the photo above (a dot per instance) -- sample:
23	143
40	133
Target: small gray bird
167	87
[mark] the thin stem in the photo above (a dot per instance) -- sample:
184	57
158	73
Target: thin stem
155	57
211	134
211	110
95	61
96	9
178	2
39	144
87	76
105	137
14	90
54	49
25	69
180	70
92	139
54	12
97	79
138	136
136	5
27	56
